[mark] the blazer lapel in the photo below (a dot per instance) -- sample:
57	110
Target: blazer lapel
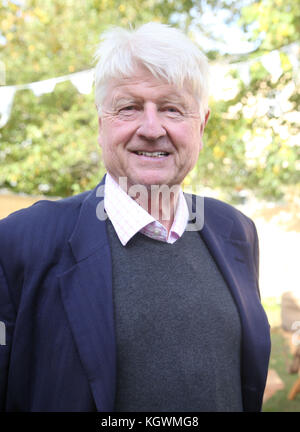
235	261
86	291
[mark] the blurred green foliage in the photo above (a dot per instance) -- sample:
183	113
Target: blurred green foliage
50	145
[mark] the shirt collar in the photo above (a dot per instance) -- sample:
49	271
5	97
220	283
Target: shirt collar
129	218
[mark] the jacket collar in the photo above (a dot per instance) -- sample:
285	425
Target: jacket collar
235	259
90	234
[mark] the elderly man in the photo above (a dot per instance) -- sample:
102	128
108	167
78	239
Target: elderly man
136	307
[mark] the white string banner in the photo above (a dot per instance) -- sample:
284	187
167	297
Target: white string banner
83	81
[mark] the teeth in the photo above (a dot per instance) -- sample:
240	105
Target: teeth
152	154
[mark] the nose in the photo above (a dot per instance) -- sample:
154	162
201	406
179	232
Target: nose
151	126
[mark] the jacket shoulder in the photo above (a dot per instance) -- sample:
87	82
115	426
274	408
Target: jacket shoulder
39	230
223	207
243	228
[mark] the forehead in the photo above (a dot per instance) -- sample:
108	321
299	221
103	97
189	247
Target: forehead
143	85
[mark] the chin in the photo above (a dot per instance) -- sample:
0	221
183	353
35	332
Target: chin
148	182
149	178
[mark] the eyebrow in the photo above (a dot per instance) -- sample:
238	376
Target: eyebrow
174	99
123	99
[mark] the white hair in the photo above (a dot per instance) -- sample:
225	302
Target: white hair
165	51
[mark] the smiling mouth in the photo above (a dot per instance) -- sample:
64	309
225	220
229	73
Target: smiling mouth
156	154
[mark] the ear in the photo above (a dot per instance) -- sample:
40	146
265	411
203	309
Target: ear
202	127
205	121
99	131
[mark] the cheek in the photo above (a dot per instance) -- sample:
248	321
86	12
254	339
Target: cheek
117	134
189	141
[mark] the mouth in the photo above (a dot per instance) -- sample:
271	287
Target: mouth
155	154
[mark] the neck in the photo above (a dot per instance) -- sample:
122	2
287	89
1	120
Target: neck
161	203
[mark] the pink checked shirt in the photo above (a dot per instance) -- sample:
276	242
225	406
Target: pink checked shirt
128	217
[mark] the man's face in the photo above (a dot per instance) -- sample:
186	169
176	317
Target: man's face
149	131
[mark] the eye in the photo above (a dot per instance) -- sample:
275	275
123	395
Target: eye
128	111
172	111
128	108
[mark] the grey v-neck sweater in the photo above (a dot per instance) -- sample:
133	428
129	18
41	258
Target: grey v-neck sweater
178	331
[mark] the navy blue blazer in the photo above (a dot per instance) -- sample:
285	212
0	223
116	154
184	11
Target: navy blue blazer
56	304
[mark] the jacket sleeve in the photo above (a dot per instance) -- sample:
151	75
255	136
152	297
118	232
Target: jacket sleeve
7	323
256	257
